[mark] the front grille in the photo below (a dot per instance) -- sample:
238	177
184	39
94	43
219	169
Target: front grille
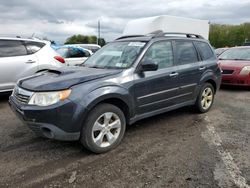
21	95
227	71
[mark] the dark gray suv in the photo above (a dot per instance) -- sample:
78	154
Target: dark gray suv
132	78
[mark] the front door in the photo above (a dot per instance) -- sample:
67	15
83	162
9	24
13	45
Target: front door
155	90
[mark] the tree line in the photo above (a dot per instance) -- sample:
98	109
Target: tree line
85	39
229	35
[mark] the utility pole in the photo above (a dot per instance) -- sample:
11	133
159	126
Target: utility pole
99	32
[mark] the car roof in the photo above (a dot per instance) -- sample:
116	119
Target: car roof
147	39
24	39
94	45
247	47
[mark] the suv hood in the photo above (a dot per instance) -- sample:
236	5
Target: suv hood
64	78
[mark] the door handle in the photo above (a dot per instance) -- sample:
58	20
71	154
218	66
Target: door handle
30	61
174	74
202	68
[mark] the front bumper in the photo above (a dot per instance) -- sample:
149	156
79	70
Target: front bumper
60	121
236	79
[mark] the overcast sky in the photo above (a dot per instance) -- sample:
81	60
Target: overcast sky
59	19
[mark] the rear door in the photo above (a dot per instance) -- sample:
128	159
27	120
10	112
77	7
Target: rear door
155	90
190	69
15	63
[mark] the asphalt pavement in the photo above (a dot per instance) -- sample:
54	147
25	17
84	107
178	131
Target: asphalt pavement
175	149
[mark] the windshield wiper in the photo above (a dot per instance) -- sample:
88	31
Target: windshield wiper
96	67
235	59
238	59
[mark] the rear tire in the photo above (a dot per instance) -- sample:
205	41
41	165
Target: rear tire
104	128
205	98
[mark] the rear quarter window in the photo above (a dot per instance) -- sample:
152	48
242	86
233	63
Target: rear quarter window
33	47
204	50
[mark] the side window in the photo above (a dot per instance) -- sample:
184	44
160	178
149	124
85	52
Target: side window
162	53
185	52
33	47
10	48
87	54
204	50
75	53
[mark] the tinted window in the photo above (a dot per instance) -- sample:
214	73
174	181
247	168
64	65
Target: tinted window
10	48
162	53
185	52
204	50
75	52
33	47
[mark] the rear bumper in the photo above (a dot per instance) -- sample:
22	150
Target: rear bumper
241	80
57	122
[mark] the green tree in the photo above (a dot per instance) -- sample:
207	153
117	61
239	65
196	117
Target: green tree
229	35
84	39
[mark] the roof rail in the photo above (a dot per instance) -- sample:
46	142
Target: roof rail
188	35
160	33
128	36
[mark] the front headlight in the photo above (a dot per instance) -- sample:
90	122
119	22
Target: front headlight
49	98
245	70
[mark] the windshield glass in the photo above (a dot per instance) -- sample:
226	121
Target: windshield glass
236	54
116	55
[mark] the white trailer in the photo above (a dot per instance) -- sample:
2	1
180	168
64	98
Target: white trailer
167	24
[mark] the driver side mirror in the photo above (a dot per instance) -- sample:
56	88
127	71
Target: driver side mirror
149	65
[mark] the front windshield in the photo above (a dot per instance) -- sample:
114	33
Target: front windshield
236	54
115	55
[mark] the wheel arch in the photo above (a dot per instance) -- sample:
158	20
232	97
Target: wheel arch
116	96
213	83
209	77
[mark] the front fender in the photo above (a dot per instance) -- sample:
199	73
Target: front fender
104	93
108	92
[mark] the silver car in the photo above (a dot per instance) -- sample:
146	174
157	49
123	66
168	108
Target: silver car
21	58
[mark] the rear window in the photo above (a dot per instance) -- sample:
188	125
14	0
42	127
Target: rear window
9	48
33	47
204	50
63	52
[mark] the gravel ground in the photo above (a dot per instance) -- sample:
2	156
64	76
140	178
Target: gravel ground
176	149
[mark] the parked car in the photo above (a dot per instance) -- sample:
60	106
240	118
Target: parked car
247	43
73	55
127	80
219	51
235	64
20	58
92	47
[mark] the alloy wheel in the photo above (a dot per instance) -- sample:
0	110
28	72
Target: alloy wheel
206	98
106	129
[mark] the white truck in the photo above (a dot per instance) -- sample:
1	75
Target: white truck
167	24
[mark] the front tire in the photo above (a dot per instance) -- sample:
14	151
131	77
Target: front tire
104	128
205	98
